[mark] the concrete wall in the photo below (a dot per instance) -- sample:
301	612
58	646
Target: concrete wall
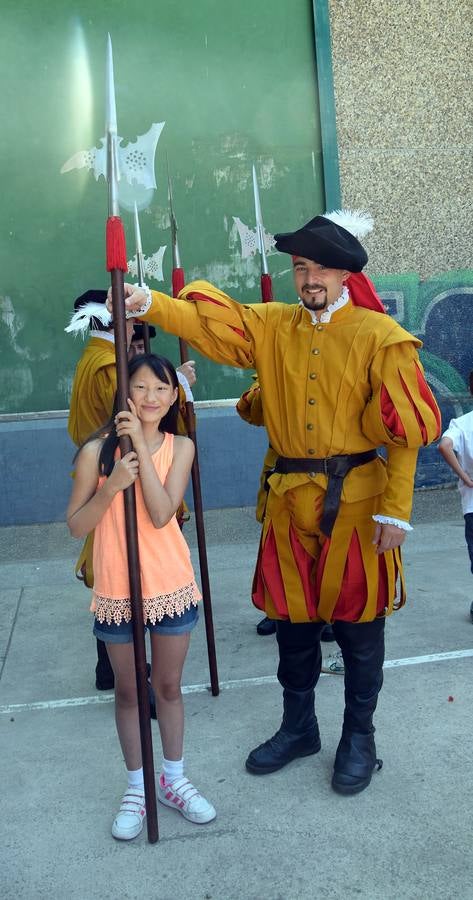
404	110
36	461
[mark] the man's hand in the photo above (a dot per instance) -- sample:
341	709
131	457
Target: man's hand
135	298
188	370
387	537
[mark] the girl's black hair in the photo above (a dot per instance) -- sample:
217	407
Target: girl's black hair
165	371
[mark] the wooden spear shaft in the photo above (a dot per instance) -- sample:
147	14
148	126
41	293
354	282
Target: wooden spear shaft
117	266
201	542
119	327
177	285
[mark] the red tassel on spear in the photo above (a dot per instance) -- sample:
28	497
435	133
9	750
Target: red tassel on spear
178	282
117	265
266	282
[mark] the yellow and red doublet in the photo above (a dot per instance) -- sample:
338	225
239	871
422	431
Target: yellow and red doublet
93	390
345	386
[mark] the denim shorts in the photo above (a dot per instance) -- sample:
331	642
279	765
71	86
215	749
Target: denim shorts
123	633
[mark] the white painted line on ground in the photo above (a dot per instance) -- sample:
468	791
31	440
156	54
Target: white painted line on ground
224	685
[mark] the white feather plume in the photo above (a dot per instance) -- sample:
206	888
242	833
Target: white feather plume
80	321
358	222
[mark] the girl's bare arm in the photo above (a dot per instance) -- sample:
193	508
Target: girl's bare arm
87	504
162	500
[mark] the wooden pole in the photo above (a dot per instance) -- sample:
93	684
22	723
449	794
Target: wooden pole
201	542
177	285
119	327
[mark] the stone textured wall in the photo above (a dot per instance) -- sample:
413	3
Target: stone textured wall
404	107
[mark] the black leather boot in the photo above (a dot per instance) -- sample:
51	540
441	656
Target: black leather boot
363	653
266	626
104	677
298	735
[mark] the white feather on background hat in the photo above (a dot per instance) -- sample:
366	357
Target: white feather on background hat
358	222
80	321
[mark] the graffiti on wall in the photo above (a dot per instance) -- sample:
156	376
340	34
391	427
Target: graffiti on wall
439	312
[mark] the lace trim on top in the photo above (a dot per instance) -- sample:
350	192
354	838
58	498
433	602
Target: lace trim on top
154	608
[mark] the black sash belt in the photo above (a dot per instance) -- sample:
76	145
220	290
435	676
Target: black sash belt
335	467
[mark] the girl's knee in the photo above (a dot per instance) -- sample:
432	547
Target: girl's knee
168	690
125	693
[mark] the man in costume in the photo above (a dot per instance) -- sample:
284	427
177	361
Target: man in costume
250	409
338	378
93	392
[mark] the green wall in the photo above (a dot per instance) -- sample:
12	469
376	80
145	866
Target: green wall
234	83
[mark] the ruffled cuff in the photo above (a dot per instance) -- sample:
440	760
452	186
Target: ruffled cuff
186	386
389	520
136	313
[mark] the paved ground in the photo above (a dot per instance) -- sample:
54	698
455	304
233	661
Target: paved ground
286	836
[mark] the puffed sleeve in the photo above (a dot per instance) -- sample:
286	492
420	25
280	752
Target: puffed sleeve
105	388
403	416
402	410
249	406
182	414
218	327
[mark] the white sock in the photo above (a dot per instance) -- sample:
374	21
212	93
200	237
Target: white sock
135	779
172	768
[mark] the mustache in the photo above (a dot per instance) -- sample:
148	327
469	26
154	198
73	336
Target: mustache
313	287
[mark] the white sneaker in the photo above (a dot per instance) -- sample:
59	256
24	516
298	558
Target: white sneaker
180	794
333	664
130	818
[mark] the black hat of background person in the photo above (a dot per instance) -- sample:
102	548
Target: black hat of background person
138	332
91	296
324	242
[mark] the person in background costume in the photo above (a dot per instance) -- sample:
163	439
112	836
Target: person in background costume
185	372
137	346
159	465
338	378
93	391
456	447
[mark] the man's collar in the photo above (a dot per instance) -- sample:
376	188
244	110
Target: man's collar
326	315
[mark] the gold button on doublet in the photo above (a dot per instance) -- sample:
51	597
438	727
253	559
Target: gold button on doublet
319	327
312	376
315	351
310	427
311	451
311	401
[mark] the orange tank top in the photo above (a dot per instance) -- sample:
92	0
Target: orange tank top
167	578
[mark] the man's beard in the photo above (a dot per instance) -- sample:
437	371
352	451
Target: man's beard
314	303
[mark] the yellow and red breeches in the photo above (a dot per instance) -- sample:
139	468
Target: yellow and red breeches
303	576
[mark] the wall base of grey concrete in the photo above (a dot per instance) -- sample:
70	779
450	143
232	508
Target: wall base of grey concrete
36	463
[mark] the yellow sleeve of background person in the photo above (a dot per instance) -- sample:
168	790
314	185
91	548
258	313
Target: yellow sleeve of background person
93	393
181	418
93	390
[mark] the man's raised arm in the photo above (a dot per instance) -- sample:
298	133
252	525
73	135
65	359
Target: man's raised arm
220	328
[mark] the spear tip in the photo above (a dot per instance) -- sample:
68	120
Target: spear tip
111	111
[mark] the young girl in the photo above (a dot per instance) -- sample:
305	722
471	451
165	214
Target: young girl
159	465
